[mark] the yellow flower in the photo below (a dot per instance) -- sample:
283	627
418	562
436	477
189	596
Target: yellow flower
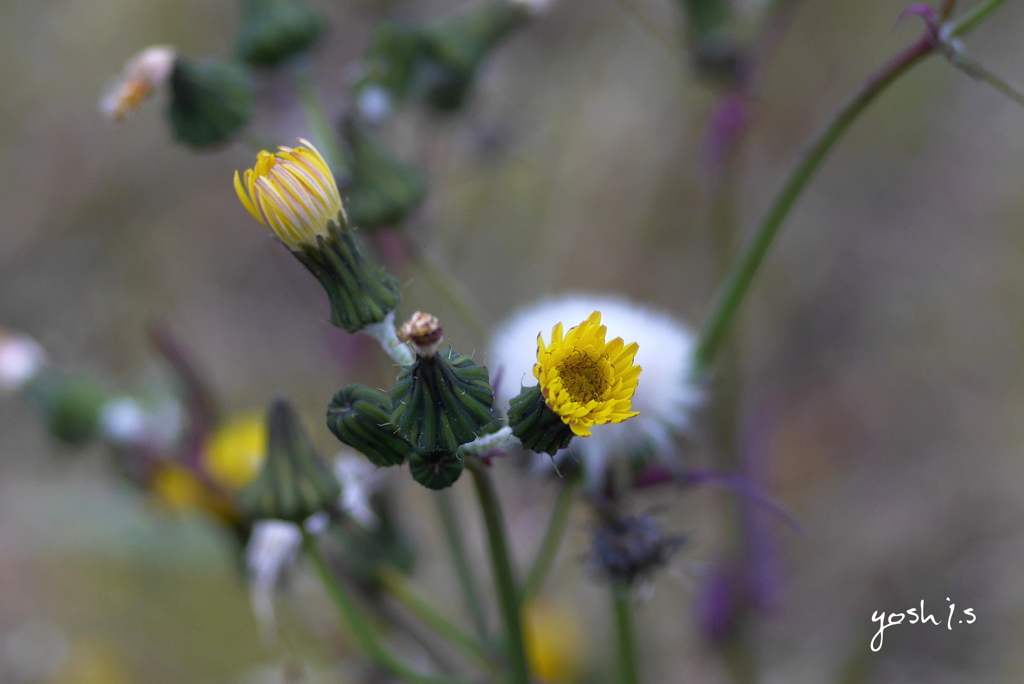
585	380
554	643
90	660
178	490
144	74
291	192
235	453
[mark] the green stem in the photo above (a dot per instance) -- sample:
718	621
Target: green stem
625	633
440	279
453	533
504	581
742	273
324	135
946	10
552	541
401	591
363	630
980	72
977	14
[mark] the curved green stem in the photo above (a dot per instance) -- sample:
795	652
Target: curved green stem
401	591
742	273
363	630
978	71
453	533
441	280
324	135
552	541
504	581
625	633
977	14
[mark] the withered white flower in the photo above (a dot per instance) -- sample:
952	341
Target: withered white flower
143	75
274	544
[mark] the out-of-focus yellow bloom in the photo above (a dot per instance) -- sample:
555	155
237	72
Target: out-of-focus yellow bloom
235	453
90	661
585	380
143	75
291	192
180	491
554	643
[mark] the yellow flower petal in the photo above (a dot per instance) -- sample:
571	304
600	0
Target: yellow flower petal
292	192
585	380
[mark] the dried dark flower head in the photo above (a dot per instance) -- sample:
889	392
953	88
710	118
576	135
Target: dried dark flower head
629	547
424	332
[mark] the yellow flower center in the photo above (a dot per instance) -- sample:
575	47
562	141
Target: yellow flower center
585	379
235	453
582	377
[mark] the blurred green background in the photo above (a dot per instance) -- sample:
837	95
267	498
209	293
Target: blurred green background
882	340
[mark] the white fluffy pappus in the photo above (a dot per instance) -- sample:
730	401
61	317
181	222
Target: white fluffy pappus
274	544
21	358
665	397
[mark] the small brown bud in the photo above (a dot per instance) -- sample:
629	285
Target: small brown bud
424	332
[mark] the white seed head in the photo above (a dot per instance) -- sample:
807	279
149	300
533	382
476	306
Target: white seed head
374	104
123	422
272	547
359	480
665	397
21	358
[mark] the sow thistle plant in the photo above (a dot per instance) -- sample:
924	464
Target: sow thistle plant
591	383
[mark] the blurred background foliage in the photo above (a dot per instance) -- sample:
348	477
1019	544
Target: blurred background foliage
884	381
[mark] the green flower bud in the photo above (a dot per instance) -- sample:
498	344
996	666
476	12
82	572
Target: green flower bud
70	404
294	483
391	61
361	418
276	30
709	29
457	47
435	469
211	102
443	399
383	188
294	194
360	291
538	427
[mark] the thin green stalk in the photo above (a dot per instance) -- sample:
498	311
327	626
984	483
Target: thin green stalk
742	273
504	581
552	541
442	281
980	72
363	630
400	590
625	633
453	533
324	135
977	14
